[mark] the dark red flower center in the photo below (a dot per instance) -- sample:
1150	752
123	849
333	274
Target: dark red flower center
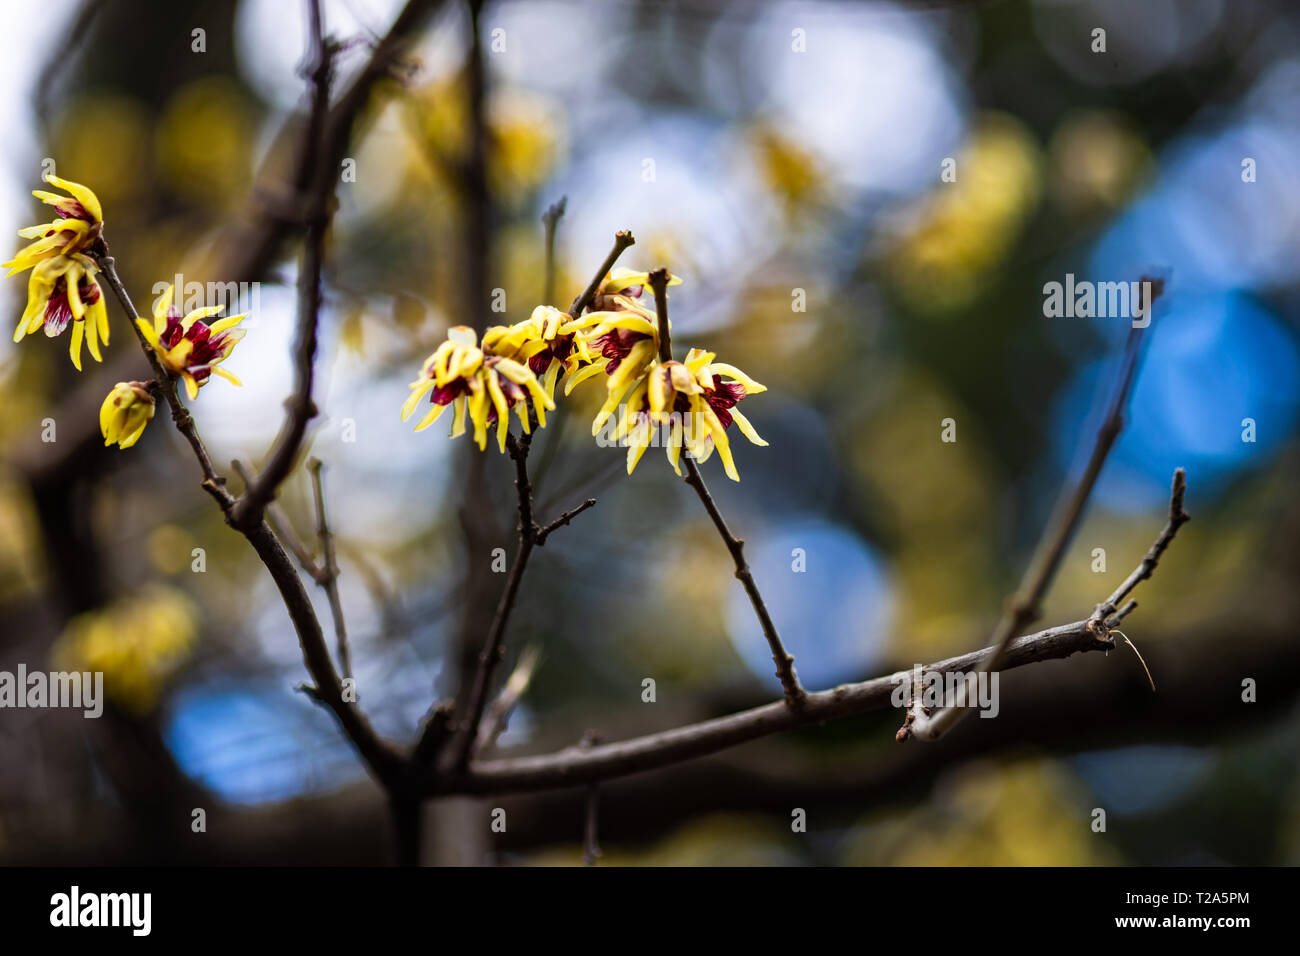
58	310
206	349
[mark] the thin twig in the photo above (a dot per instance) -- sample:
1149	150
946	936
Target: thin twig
1023	608
1122	613
563	520
794	692
329	571
490	655
1177	518
622	240
265	226
498	714
550	220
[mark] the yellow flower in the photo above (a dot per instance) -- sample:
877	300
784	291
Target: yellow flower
78	227
188	346
480	381
62	288
692	402
623	287
548	341
621	339
126	411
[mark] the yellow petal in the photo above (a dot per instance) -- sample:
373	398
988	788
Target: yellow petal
99	315
418	391
433	415
161	307
150	335
634	452
458	420
74	347
134	437
746	428
92	338
227	323
89	201
203	313
751	386
581	376
674	448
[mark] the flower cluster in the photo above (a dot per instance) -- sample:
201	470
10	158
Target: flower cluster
693	402
62	289
480	382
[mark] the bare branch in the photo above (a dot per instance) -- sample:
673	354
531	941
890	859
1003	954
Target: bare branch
329	571
563	520
575	765
1023	608
494	721
1177	518
794	692
622	240
257	242
550	220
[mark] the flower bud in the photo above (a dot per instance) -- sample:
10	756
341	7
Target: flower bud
125	412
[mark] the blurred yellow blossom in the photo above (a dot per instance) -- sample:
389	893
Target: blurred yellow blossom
951	240
138	642
1098	160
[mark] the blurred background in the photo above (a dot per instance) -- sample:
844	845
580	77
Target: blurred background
785	160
